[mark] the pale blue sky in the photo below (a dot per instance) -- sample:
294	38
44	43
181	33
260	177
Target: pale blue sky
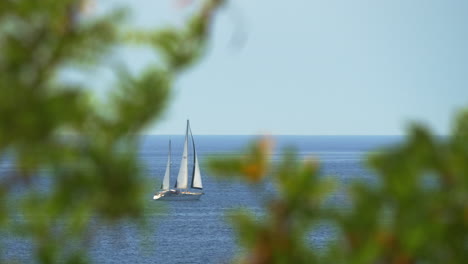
319	67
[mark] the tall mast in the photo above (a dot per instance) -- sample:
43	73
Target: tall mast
170	164
194	153
182	178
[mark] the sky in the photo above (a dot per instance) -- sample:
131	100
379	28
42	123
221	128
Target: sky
309	67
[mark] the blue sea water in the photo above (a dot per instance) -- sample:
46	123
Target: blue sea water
198	231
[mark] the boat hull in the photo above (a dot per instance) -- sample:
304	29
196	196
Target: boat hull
177	196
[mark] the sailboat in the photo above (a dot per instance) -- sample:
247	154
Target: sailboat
181	190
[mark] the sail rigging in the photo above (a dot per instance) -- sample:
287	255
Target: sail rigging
166	181
196	175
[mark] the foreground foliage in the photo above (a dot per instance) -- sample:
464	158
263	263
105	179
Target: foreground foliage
416	211
92	173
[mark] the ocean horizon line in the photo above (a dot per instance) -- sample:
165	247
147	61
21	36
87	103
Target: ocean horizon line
289	135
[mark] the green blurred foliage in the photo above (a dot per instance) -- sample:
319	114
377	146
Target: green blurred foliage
416	211
87	150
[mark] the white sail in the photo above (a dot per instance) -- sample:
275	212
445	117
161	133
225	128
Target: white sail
196	181
165	184
182	178
196	177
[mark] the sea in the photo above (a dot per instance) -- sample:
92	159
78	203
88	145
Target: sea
200	231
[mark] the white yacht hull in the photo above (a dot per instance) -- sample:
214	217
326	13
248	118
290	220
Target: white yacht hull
177	196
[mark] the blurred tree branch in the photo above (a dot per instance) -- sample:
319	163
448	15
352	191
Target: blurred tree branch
93	170
417	212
